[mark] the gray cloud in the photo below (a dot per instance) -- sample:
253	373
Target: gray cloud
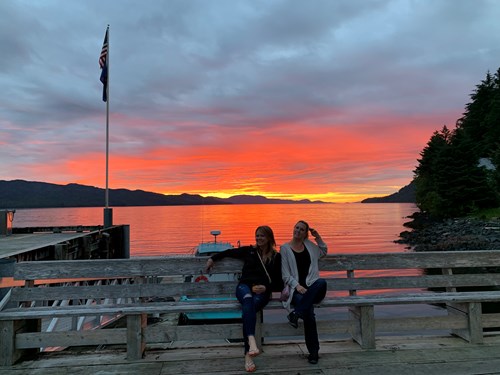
239	64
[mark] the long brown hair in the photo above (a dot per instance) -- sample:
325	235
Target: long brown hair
268	254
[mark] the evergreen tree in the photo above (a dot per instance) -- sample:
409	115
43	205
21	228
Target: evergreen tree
428	195
466	184
448	180
481	120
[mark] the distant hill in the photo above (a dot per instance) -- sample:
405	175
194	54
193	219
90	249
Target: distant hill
405	195
29	194
259	199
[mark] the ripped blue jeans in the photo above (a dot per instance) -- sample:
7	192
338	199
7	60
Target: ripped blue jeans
251	303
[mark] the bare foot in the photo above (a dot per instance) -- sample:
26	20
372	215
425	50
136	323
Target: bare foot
253	350
249	364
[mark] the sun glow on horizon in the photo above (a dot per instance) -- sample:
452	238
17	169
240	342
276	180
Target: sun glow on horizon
327	197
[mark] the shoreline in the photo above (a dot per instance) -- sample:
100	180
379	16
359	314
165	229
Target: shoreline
457	234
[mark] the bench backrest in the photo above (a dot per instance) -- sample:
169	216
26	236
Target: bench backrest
136	278
395	271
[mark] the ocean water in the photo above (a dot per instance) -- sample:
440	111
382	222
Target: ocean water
164	230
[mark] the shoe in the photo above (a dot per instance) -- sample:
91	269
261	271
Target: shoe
313	358
293	319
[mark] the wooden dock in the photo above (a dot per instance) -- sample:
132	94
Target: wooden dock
70	242
17	244
411	355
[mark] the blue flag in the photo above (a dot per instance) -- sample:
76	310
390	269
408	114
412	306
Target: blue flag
103	63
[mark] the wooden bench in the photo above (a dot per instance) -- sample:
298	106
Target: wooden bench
136	288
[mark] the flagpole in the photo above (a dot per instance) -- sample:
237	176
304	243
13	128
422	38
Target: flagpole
108	212
107	123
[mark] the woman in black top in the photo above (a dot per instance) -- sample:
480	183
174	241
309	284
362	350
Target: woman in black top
260	276
301	273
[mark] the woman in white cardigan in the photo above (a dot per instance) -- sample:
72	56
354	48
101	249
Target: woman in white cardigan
300	272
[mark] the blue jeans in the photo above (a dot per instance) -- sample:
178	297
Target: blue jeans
251	303
304	308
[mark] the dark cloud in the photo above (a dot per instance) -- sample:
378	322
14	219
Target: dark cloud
183	66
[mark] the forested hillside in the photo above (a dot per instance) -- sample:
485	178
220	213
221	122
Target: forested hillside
450	180
405	195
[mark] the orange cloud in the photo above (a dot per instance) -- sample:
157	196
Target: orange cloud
294	160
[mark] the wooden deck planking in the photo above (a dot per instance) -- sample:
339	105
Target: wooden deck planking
20	243
394	356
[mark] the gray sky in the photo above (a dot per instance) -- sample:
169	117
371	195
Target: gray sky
328	100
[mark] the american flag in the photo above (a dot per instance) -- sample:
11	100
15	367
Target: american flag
103	63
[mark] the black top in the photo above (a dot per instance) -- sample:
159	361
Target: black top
252	272
303	260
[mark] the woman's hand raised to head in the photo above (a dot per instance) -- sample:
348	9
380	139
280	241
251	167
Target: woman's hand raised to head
315	234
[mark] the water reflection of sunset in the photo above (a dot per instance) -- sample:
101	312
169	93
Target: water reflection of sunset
346	228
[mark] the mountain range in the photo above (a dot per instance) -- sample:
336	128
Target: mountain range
30	194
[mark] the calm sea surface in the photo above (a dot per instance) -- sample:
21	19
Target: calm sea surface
157	231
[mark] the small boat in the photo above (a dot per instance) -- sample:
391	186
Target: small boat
202	250
208	249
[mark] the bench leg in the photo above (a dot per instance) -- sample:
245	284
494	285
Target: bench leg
258	330
473	313
363	325
8	330
7	343
136	344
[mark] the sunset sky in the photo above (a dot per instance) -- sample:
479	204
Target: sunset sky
320	99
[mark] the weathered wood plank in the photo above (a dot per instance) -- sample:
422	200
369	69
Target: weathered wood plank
195	265
118	309
159	290
124	268
135	336
7	343
163	334
363	325
10	353
491	320
71	338
163	307
472	312
420	324
414	260
410	282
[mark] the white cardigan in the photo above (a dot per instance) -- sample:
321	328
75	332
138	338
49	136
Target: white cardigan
289	269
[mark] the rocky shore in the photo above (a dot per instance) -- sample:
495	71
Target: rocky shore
451	235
